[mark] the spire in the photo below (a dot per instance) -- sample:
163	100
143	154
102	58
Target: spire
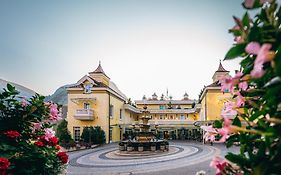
185	96
98	69
221	68
99	75
219	73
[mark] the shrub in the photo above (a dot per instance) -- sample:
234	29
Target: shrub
93	135
27	142
62	132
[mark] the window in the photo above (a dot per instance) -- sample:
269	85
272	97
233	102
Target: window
161	107
182	117
86	106
88	88
76	131
120	114
111	111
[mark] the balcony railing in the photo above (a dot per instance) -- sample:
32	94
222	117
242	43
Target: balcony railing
84	114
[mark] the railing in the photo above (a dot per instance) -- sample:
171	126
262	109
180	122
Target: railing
84	114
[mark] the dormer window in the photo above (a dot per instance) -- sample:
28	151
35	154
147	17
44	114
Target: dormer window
88	88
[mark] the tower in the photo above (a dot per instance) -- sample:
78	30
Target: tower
99	75
219	73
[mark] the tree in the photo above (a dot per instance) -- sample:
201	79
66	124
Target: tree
62	132
98	136
93	135
87	134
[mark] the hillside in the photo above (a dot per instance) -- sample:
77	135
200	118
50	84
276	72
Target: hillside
24	91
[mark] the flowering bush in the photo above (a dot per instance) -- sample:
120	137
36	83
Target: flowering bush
27	142
256	89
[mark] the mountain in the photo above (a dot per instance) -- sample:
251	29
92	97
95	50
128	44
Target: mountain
24	91
60	96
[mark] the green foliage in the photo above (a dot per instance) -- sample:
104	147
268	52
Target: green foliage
93	135
260	123
18	136
62	132
235	51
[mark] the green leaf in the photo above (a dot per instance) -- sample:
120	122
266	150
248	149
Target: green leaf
246	20
10	87
239	159
256	115
278	62
217	124
236	51
236	122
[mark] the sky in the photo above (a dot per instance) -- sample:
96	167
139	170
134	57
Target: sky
144	46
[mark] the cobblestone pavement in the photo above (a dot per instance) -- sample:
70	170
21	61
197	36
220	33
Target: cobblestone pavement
184	158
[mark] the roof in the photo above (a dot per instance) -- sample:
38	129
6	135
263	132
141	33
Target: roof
214	84
221	68
99	70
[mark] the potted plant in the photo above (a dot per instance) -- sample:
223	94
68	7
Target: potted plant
162	146
153	146
140	147
130	146
121	146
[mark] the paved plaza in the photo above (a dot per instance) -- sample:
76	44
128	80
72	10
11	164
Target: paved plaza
183	158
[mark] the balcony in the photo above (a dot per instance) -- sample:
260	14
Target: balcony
84	114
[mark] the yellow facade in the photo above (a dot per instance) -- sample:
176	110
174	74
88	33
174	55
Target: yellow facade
96	101
212	98
99	104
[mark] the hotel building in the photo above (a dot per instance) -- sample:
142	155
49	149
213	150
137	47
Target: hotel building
96	101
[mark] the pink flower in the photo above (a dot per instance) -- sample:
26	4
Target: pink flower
226	84
249	3
262	57
243	85
49	133
239	39
224	132
54	112
257	71
229	106
240	100
36	126
210	133
253	48
263	54
23	102
219	164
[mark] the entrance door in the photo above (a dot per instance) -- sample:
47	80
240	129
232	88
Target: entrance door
166	135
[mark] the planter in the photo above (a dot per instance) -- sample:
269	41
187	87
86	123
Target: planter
140	148
162	147
167	147
153	148
122	148
130	148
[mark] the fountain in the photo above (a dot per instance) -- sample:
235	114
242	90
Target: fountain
144	140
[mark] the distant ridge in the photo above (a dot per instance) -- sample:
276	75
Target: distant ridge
60	96
24	91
